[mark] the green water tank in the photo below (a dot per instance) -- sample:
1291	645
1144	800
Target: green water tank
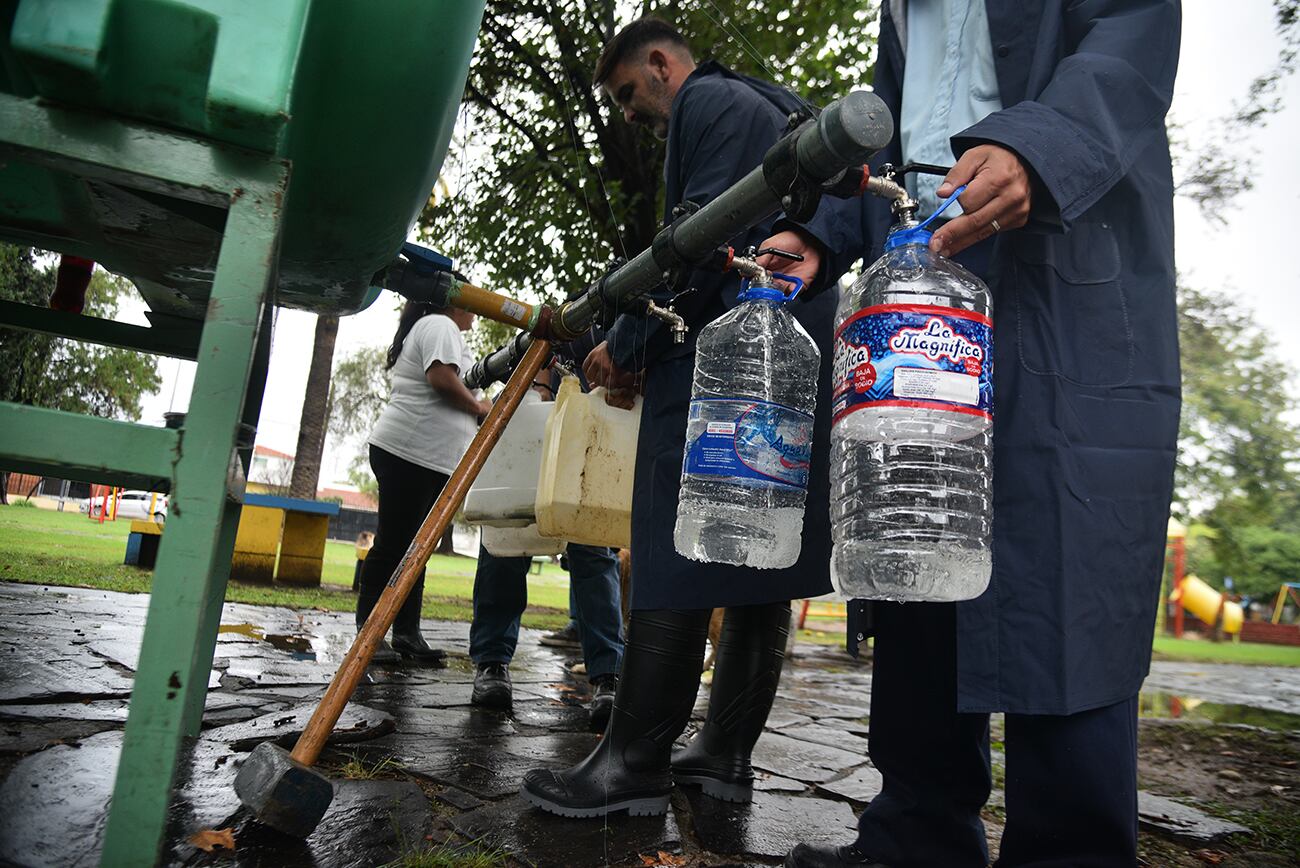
360	95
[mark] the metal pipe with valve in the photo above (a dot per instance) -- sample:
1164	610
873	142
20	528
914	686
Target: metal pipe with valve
827	155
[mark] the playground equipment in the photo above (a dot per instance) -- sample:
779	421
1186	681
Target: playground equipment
1209	605
226	157
1288	589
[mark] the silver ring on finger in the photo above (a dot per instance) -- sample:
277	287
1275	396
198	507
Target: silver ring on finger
997	227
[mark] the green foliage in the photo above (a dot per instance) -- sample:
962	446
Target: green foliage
448	854
362	768
46	371
361	388
1259	559
359	475
1236	444
1238	450
550	185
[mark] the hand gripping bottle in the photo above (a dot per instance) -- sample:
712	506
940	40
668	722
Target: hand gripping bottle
911	437
749	431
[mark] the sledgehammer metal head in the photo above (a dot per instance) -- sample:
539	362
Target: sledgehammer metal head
282	792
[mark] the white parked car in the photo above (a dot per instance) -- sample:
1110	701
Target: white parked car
131	504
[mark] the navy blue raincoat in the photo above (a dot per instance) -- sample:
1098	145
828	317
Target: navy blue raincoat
1085	350
720	126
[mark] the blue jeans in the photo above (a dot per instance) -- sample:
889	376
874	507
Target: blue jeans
501	594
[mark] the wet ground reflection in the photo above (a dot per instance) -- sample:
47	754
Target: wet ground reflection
1161	704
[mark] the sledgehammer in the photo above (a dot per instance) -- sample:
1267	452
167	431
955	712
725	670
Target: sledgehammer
280	787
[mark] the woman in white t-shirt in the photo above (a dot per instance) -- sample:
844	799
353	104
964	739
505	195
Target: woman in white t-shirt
417	442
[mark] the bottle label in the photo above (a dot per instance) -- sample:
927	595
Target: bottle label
752	442
911	355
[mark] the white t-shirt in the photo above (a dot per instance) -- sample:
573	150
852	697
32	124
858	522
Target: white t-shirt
419	424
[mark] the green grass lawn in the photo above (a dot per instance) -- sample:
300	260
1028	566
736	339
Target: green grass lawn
1169	648
41	546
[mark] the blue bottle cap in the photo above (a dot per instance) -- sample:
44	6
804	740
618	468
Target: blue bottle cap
769	293
918	234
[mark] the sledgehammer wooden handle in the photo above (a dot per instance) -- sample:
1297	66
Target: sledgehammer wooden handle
312	740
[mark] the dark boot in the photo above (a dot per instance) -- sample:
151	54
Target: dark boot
630	768
412	645
603	690
750	654
492	688
407	639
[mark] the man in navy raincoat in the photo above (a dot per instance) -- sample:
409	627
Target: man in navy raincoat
1068	217
718	125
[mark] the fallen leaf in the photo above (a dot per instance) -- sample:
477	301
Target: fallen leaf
1211	857
1230	774
208	840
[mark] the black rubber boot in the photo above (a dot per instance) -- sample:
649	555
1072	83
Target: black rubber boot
603	691
630	769
408	642
745	677
412	645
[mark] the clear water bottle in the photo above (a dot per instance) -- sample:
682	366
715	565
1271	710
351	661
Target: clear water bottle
911	437
749	433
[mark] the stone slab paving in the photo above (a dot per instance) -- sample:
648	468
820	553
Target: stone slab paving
1183	823
861	785
770	826
67	658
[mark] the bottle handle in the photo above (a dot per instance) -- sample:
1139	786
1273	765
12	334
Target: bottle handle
943	206
798	283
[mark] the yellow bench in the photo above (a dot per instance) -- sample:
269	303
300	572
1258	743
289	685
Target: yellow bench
293	528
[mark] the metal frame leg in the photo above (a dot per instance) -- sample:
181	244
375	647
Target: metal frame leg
207	637
189	581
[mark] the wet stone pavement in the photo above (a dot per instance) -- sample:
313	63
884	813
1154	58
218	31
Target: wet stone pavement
415	766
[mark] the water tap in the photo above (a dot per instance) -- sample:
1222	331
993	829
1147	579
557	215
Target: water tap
670	316
757	275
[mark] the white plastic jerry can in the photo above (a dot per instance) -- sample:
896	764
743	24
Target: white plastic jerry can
584	490
505	492
518	542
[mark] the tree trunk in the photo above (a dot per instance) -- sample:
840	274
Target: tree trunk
315	411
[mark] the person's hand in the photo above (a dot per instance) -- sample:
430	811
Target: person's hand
624	399
997	198
793	241
484	407
600	370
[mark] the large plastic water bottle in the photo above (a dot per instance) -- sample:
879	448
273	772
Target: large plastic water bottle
911	437
749	434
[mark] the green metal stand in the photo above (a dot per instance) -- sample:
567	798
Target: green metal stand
201	463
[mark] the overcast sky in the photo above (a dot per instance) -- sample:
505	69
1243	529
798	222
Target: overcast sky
1254	257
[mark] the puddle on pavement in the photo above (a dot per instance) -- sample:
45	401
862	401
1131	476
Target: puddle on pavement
1160	704
298	646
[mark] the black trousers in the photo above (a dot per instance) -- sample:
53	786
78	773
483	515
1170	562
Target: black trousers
1071	781
406	494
